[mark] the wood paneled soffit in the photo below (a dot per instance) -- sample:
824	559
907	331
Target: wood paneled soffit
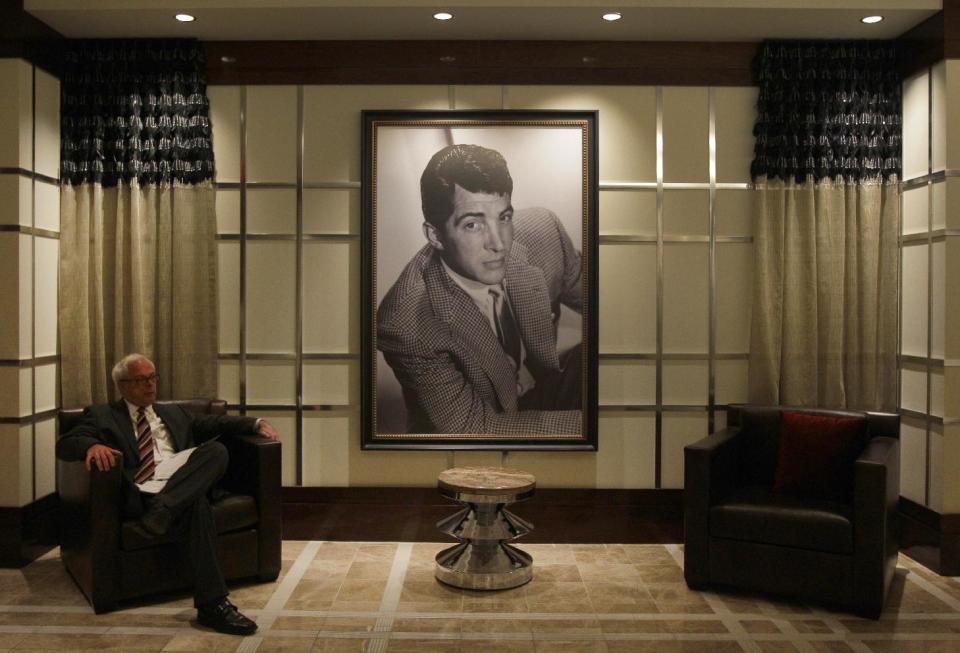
24	37
479	62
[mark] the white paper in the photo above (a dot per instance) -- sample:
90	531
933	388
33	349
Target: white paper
164	470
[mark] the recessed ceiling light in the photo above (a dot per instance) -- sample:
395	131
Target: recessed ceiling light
185	18
228	59
612	16
870	20
443	15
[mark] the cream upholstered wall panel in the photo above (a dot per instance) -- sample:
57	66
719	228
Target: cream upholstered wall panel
331	126
913	387
331	211
628	123
952	117
45	379
913	459
10	295
271	211
24	377
326	447
952	314
557	468
628	212
950	482
271	133
228	296
685	383
10	204
679	430
47	124
916	125
228	211
686	212
25	278
938	199
735	111
331	382
734	284
331	301
685	297
938	298
913	318
936	392
938	116
225	121
936	467
627	450
951	398
386	468
734	213
45	458
271	382
628	298
627	382
271	293
730	382
47	251
47	211
228	381
16	114
11	401
916	210
686	123
474	458
15	487
478	97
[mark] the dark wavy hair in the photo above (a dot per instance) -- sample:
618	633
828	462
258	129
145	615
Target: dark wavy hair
474	168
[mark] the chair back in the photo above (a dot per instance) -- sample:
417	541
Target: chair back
70	417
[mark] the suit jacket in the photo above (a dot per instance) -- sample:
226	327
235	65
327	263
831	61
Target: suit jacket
110	424
456	378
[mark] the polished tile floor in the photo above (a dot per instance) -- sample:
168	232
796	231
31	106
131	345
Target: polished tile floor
374	597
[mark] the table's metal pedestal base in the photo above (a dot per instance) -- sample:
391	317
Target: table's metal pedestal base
483	560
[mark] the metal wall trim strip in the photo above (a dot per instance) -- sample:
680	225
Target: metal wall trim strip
298	303
929	406
692	356
290	237
712	269
29	420
658	446
665	408
921	360
916	414
34	176
243	250
934	177
673	185
29	231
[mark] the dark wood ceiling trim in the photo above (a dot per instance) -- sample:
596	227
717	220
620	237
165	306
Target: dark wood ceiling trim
923	45
480	62
24	37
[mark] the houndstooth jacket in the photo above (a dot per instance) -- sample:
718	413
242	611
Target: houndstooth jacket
455	376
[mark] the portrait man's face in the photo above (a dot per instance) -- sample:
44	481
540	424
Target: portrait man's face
476	239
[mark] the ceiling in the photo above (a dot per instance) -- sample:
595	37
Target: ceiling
643	20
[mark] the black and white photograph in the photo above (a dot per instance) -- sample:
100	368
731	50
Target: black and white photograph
479	234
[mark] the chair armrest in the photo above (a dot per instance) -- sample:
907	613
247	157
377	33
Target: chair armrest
255	470
710	470
90	504
875	534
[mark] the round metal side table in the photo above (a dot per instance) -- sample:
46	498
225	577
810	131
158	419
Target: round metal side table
483	560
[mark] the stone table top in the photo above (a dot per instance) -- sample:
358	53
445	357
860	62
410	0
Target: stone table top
486	480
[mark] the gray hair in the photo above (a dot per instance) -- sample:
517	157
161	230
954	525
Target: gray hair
122	368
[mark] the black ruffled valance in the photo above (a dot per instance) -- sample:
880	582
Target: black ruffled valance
827	109
135	110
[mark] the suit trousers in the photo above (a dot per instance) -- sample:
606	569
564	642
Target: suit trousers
185	496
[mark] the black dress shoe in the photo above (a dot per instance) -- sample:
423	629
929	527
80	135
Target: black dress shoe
224	617
156	520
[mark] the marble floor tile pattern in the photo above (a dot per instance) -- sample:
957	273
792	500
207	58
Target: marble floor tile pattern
382	597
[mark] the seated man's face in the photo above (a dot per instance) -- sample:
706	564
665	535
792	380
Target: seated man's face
140	386
476	239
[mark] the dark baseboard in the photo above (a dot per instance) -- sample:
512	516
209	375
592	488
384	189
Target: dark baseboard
28	532
410	514
930	538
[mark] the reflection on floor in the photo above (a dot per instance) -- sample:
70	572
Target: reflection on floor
337	596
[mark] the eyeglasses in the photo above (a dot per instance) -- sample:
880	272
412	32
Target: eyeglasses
142	381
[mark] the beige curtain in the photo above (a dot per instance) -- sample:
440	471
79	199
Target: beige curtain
138	274
824	322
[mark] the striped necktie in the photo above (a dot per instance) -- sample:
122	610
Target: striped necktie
507	332
144	447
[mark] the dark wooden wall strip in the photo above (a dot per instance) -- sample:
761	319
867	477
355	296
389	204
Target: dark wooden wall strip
480	62
24	37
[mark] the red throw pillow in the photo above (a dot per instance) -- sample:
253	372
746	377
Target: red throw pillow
817	454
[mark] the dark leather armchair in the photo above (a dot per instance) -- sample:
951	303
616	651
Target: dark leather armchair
738	532
111	561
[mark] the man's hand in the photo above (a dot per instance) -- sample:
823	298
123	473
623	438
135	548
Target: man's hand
266	430
102	456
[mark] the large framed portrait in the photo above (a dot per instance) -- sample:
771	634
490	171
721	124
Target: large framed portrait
479	313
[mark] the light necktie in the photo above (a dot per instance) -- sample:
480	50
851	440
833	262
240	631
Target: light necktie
144	447
507	331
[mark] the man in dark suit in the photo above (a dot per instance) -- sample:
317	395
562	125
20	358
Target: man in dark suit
469	327
149	438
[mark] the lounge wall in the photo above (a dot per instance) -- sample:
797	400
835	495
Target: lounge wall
674	312
29	249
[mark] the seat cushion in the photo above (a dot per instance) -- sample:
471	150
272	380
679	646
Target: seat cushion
231	512
756	514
